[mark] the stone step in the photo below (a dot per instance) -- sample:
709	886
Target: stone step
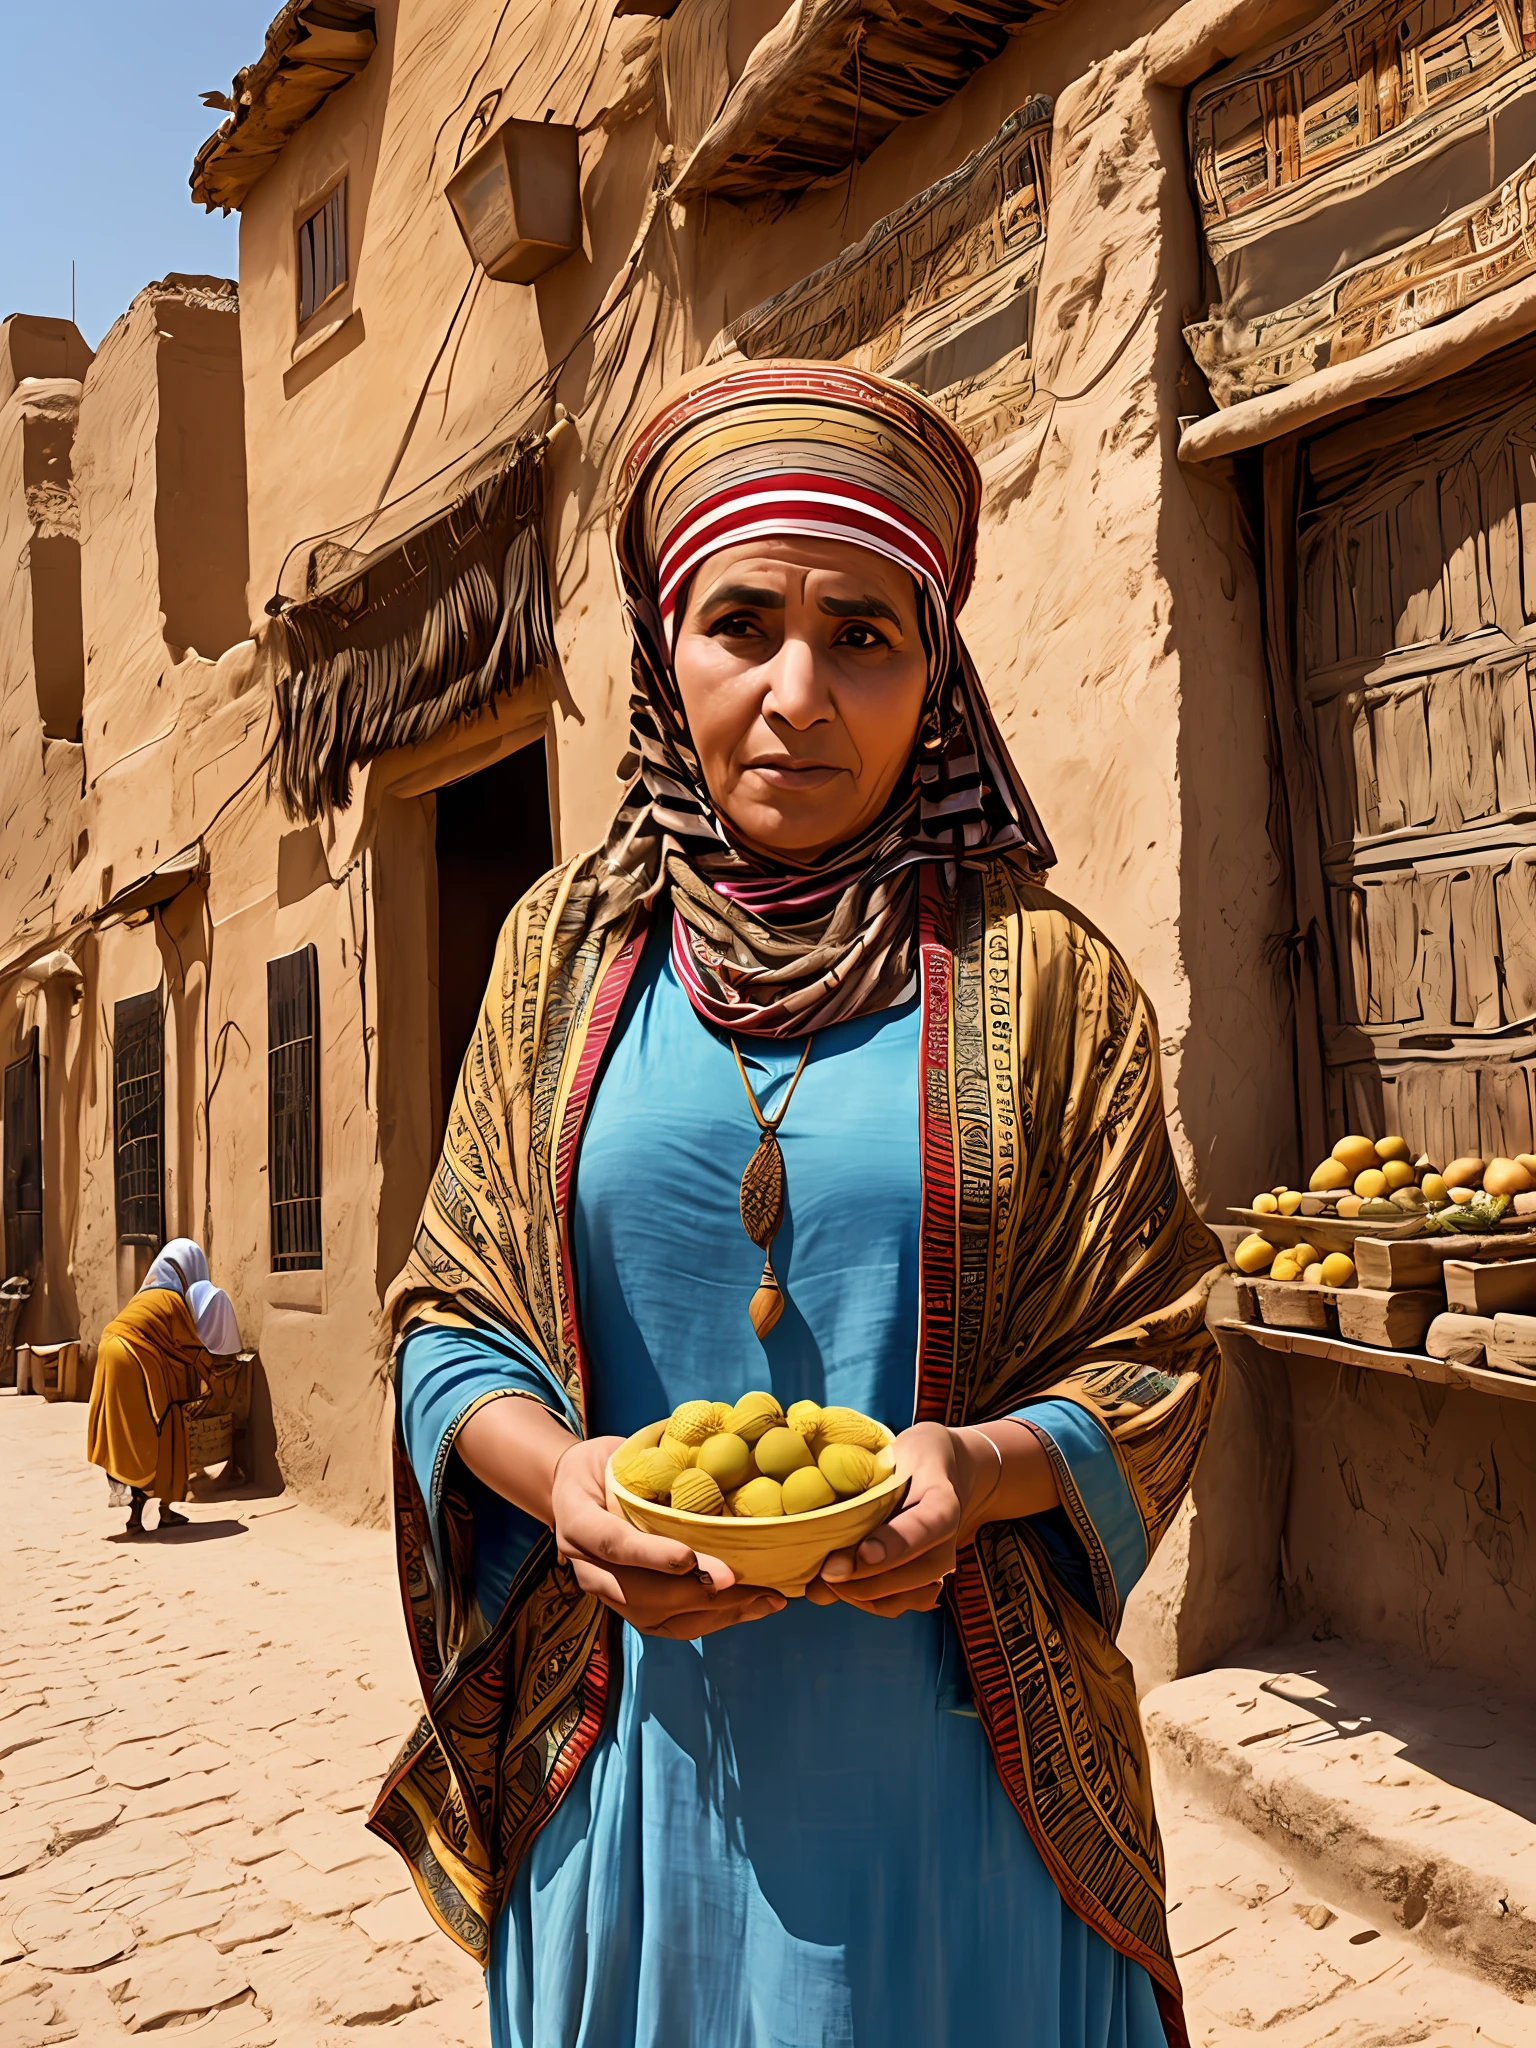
1410	1793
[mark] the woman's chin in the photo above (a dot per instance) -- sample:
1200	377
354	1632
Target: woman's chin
796	832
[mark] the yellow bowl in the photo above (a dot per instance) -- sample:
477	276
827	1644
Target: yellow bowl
785	1552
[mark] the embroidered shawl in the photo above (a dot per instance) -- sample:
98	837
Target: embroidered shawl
1060	1255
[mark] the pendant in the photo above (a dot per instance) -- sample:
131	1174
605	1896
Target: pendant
762	1211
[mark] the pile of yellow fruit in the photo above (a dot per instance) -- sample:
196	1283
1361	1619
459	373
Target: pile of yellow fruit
756	1459
1374	1177
1294	1262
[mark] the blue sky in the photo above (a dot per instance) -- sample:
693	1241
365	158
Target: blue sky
99	122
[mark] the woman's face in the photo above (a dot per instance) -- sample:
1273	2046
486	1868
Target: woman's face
802	674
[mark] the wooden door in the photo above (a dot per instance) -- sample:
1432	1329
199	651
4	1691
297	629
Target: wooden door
1401	587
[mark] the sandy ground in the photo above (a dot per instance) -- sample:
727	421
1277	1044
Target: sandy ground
191	1731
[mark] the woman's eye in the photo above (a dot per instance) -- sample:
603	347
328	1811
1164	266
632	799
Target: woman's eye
857	633
736	626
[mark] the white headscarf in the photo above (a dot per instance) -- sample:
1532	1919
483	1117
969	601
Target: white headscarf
177	1265
214	1314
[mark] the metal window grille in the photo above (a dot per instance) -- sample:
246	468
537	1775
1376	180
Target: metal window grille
323	252
293	1109
23	1163
138	1090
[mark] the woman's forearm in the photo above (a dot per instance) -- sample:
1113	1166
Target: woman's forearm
514	1445
1011	1474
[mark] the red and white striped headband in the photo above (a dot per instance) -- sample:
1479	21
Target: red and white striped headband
775	504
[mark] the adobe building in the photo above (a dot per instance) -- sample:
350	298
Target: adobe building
313	659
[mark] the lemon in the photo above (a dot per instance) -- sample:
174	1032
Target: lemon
804	1418
1254	1255
847	1468
727	1460
1290	1201
697	1494
650	1474
692	1421
1338	1270
1398	1174
780	1451
753	1414
1371	1185
759	1500
848	1426
805	1491
1395	1149
1265	1204
1355	1154
1330	1175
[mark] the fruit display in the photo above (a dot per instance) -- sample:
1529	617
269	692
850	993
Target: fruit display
1378	1181
755	1461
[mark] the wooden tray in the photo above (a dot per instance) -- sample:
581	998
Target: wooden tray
1328	1233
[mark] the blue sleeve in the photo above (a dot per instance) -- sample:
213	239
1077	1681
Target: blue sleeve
442	1375
1096	1540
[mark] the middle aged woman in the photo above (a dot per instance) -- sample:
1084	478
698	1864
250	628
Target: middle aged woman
150	1363
914	1808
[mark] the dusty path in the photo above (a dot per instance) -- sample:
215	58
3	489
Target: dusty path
192	1728
191	1731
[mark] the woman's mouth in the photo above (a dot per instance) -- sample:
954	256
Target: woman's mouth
788	774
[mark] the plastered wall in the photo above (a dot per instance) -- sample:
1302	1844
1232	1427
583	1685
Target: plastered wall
1115	618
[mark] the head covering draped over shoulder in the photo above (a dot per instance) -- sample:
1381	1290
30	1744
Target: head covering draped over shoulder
177	1264
774	450
214	1314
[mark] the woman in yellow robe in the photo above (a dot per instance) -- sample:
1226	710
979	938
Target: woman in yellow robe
149	1364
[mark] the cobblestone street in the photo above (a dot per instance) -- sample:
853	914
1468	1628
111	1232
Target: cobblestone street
192	1729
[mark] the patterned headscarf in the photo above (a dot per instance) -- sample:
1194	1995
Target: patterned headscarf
777	949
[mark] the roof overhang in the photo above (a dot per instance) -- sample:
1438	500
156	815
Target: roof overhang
313	48
826	87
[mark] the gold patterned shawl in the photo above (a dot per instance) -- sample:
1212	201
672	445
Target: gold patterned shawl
1060	1256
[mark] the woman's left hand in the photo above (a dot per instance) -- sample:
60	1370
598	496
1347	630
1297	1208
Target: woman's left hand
960	1478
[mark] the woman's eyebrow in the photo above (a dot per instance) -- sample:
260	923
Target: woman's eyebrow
859	608
733	594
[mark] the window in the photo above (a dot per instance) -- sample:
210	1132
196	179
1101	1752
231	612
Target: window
138	1103
323	252
293	1109
23	1164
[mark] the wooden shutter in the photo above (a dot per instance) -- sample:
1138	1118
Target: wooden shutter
138	1092
23	1163
293	1110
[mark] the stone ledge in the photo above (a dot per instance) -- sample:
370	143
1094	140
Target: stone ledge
1403	1789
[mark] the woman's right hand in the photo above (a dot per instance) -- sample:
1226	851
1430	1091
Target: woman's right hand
659	1587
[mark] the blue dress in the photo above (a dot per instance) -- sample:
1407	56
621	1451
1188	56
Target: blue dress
790	1834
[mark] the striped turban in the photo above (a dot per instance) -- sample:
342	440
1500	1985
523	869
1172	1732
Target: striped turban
771	451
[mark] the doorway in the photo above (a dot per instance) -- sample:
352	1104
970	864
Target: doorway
493	842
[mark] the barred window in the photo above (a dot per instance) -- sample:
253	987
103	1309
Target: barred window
323	252
23	1163
293	1109
138	1104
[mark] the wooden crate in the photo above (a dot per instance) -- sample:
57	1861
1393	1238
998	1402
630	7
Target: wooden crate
1484	1287
1396	1320
1293	1305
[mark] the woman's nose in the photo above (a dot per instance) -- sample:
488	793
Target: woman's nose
797	688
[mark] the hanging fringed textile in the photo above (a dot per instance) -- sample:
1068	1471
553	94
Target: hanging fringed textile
436	625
